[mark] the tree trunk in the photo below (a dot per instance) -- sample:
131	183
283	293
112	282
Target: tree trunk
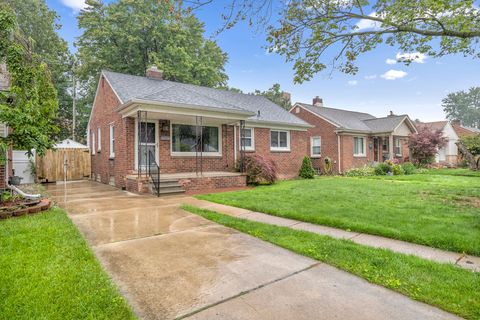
474	163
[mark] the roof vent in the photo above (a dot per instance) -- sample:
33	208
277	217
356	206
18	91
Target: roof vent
258	113
318	102
154	73
391	114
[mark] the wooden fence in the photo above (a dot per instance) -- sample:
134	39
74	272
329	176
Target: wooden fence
58	164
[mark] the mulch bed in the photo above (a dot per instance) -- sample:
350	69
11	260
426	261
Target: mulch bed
19	208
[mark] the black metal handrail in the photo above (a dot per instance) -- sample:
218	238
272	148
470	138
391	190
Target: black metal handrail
153	174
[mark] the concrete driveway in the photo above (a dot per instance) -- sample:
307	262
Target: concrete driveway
171	264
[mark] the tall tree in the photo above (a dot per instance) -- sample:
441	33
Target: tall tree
39	24
277	96
463	106
128	36
318	34
29	106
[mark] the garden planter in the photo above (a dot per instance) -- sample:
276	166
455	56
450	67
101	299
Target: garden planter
5	214
20	212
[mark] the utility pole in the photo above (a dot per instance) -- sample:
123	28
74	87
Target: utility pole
74	107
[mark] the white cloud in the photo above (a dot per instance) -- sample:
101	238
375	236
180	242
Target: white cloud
413	57
365	24
76	5
352	82
393	74
370	77
390	61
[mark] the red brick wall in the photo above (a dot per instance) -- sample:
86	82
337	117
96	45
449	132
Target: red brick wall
348	159
211	183
102	116
326	131
288	162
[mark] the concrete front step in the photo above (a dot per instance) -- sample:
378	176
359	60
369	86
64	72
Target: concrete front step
167	186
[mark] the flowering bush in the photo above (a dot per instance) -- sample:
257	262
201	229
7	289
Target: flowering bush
260	170
424	145
389	166
360	172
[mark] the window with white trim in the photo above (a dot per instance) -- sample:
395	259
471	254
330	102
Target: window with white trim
188	139
93	142
247	139
99	137
359	146
112	141
316	146
279	140
398	147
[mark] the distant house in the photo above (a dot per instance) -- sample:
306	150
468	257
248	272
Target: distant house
453	131
353	139
195	135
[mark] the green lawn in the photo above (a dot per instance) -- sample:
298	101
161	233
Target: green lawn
438	210
49	272
450	288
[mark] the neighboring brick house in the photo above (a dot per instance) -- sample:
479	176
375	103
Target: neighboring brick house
353	139
187	130
453	131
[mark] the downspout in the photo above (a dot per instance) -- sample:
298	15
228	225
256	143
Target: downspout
339	155
235	144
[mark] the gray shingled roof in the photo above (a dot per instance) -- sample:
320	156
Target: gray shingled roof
129	87
356	121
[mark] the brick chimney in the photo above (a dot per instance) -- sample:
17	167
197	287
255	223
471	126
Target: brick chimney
318	102
456	122
154	73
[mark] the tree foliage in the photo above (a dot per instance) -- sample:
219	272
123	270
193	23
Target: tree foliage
29	107
277	96
463	106
469	146
39	25
424	145
316	34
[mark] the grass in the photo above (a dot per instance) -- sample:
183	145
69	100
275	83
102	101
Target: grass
455	172
437	210
49	272
448	287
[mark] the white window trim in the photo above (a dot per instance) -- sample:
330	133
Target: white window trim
399	146
99	137
252	134
364	154
112	140
311	147
284	149
193	154
93	142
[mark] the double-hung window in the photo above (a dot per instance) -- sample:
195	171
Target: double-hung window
316	146
112	141
359	146
99	137
247	139
279	140
398	147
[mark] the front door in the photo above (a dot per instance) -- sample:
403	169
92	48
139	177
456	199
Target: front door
147	143
376	143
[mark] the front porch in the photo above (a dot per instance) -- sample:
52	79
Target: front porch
190	182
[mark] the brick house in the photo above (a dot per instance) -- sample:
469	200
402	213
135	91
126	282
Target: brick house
195	135
353	139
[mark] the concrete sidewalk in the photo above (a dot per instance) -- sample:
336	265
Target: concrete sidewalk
464	261
171	264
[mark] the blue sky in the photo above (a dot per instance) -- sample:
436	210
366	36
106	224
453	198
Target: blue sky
379	87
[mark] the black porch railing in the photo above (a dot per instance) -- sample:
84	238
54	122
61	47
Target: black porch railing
153	171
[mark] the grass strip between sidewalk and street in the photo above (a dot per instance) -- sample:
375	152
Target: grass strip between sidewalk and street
446	286
49	272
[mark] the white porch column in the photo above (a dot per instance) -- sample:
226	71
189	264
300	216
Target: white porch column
390	146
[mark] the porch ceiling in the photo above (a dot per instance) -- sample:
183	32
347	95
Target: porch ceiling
183	113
